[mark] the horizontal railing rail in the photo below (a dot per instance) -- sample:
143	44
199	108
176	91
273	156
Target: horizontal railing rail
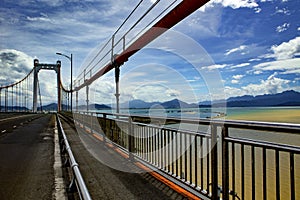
220	159
77	177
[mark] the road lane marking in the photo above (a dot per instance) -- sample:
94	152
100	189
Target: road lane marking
1	120
59	191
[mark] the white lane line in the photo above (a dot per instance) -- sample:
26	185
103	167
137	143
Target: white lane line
59	191
1	120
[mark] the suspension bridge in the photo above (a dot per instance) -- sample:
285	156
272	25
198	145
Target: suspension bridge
95	155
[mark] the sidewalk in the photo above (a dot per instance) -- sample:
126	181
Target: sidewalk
104	182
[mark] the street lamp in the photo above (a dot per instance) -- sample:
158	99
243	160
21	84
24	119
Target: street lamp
71	60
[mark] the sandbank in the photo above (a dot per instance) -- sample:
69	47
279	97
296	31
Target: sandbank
275	115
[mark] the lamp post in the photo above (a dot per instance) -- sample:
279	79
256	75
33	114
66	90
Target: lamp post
71	60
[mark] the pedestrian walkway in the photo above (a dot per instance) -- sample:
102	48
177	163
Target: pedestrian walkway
104	182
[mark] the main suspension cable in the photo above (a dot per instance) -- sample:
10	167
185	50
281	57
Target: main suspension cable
41	105
113	34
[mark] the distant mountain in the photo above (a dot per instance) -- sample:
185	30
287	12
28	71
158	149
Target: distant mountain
100	106
136	104
14	108
286	98
221	103
241	98
53	106
175	103
94	107
139	104
49	107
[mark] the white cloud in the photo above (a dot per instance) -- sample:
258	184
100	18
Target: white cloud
238	76
234	81
289	66
270	86
255	59
257	10
240	65
233	92
101	91
42	18
282	28
14	65
284	11
287	50
216	66
48	86
258	72
151	82
298	29
206	23
238	49
235	4
173	93
53	26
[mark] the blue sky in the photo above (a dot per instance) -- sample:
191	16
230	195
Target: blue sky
253	47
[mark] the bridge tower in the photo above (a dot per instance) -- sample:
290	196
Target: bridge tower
37	67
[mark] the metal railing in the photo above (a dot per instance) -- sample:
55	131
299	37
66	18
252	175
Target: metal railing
220	159
77	178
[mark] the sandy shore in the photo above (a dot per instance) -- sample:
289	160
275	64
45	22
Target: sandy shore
276	115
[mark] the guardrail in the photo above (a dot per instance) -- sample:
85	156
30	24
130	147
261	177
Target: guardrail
77	178
221	159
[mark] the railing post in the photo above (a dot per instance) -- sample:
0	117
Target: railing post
6	98
225	164
76	101
12	98
0	99
214	163
91	120
104	125
58	73
130	138
117	82
87	98
35	85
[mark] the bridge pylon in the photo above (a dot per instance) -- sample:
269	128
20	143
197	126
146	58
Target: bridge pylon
37	67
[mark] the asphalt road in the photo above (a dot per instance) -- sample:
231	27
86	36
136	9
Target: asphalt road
26	157
104	182
11	121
